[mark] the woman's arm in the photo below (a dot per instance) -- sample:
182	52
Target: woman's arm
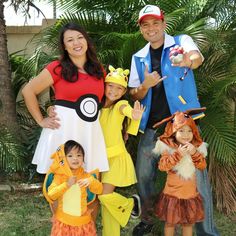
31	90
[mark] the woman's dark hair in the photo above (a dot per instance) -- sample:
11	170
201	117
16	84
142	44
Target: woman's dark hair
70	144
69	70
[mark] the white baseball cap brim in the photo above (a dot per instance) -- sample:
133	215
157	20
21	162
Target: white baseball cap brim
150	10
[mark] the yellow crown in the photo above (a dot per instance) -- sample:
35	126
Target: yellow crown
117	76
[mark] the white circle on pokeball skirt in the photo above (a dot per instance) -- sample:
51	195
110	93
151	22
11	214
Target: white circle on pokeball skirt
88	107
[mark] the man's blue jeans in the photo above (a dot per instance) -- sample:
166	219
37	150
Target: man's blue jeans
146	170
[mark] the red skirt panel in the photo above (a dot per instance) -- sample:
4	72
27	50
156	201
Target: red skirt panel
173	210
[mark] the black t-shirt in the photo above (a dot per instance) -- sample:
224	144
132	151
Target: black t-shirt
159	108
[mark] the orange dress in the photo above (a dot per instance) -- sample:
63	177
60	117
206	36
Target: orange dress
180	202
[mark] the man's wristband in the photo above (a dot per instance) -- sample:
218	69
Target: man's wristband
140	87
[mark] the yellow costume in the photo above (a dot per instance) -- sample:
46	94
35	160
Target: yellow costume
116	209
121	172
71	201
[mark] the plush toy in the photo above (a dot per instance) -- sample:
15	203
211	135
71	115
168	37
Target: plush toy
176	54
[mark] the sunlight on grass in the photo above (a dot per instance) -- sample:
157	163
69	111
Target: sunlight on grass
28	214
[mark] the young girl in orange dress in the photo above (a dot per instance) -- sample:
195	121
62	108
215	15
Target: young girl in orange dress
116	209
69	189
182	151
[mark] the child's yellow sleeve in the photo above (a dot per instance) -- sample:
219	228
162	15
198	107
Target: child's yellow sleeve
133	125
56	190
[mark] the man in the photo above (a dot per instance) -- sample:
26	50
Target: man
164	88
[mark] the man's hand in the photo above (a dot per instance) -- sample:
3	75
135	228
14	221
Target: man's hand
190	59
151	79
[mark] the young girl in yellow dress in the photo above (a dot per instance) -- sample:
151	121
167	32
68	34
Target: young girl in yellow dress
116	209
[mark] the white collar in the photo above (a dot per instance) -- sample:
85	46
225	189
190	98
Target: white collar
169	41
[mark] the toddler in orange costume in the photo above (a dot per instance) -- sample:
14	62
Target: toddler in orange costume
182	151
69	190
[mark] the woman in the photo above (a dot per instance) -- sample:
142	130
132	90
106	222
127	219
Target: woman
78	82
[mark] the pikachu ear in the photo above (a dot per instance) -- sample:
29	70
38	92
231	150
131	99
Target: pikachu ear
126	72
163	121
111	68
195	111
119	71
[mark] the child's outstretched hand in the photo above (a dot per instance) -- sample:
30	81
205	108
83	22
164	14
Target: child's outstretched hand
71	181
84	182
137	111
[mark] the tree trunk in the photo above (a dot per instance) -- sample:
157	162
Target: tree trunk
54	9
7	99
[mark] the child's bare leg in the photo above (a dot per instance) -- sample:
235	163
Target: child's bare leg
108	188
169	229
187	230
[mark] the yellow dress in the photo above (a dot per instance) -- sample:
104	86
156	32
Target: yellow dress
121	168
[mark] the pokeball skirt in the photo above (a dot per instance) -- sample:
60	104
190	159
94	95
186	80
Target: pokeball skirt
80	124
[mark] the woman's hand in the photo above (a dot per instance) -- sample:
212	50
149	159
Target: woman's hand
50	123
51	111
137	111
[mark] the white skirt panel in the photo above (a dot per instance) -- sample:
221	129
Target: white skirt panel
72	127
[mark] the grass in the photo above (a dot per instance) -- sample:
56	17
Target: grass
26	214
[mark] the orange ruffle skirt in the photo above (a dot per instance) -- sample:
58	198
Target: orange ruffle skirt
179	211
61	229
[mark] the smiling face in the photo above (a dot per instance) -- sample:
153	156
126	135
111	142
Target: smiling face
113	92
184	135
75	158
152	30
75	43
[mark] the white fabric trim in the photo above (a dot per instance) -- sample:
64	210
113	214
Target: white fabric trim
185	167
88	134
